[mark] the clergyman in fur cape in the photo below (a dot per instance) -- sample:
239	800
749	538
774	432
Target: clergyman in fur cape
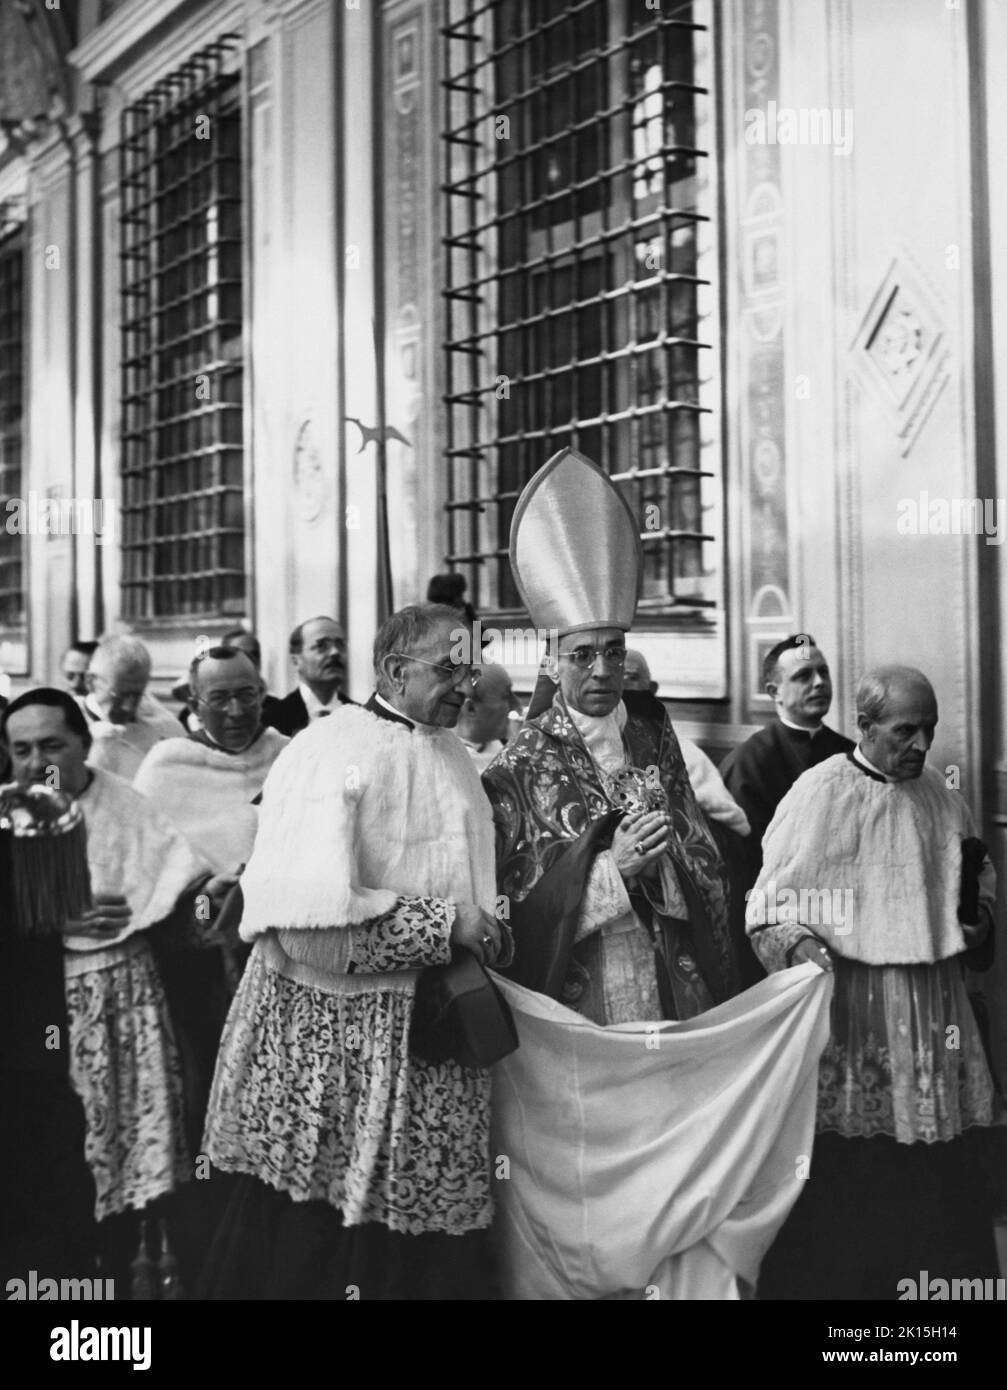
363	1168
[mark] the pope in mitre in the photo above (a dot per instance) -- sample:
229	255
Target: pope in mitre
641	1151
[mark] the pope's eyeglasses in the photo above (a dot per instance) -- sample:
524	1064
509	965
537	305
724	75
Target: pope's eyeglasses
585	657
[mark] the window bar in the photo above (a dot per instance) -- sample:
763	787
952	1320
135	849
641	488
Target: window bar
555	252
12	253
181	284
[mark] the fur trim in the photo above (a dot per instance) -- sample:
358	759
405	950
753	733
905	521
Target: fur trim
207	793
360	811
887	855
135	851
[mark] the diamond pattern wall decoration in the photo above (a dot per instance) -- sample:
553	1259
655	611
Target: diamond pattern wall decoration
901	351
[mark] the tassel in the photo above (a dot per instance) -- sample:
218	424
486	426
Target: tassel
50	879
168	1282
143	1289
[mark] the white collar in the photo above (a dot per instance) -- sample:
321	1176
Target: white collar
865	762
801	728
602	735
312	703
392	710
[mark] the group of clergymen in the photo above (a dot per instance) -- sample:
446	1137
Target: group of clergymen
589	864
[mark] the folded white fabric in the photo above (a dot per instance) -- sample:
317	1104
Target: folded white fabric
657	1159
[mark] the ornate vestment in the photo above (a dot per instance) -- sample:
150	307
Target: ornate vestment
874	869
123	1058
208	792
371	831
555	814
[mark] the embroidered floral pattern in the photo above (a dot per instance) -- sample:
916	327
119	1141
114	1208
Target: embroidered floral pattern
124	1066
546	790
905	1057
318	1095
415	933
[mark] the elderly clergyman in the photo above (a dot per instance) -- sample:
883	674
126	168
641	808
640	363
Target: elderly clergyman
206	785
872	869
707	783
485	717
126	721
361	1165
617	889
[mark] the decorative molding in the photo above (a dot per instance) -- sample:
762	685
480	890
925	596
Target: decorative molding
900	348
111	42
850	593
761	311
132	59
310	478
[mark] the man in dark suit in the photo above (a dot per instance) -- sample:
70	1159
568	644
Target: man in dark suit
760	772
318	651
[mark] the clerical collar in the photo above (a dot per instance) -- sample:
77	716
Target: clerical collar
857	756
800	728
378	705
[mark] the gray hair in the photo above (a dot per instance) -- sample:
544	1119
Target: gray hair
875	688
409	628
121	656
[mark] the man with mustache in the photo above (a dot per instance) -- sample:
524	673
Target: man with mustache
760	772
318	652
895	1185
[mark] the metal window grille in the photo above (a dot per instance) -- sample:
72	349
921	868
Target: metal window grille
576	310
12	253
182	463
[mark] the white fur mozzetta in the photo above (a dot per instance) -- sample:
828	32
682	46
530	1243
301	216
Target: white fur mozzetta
360	811
883	859
133	851
208	793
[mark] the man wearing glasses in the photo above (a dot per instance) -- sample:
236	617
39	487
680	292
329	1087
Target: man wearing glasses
318	653
206	784
618	892
363	1170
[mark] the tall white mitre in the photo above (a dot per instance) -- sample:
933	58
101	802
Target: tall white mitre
575	548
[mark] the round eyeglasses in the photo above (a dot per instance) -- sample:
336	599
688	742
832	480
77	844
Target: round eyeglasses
221	700
456	672
585	657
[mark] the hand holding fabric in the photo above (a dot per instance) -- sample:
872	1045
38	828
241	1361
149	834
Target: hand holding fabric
110	914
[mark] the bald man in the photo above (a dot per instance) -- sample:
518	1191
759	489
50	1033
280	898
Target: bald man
125	719
483	725
712	795
872	871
